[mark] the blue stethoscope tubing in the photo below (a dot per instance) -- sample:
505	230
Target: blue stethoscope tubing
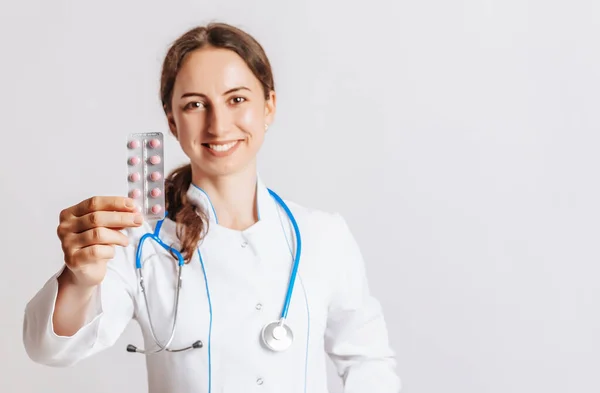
288	296
276	335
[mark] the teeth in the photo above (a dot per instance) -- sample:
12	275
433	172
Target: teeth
222	147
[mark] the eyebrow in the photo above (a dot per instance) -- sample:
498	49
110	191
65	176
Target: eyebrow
192	94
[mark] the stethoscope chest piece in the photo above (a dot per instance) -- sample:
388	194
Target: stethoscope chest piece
277	336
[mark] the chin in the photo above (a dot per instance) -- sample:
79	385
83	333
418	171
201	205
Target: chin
220	169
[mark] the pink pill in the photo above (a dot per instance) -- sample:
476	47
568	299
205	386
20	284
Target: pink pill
156	209
135	193
154	160
155	192
155	176
154	143
133	144
134	160
134	177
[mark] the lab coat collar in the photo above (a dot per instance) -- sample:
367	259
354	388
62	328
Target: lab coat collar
268	214
266	205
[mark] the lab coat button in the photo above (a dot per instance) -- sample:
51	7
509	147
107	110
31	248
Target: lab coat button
258	306
244	244
259	381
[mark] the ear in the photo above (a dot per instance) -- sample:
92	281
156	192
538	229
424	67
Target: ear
172	125
270	107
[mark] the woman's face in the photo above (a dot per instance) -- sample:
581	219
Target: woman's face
219	112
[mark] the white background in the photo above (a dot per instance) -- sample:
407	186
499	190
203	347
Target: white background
459	139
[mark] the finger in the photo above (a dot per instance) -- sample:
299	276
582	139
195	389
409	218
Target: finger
90	255
99	235
114	220
103	203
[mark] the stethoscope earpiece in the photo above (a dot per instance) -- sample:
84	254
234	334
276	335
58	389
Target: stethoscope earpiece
197	344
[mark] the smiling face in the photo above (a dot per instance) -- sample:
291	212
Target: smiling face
219	112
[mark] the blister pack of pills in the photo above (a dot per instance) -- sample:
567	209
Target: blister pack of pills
145	173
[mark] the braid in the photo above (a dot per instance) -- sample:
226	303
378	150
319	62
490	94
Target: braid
190	221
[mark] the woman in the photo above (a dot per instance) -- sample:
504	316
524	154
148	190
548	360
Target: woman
238	243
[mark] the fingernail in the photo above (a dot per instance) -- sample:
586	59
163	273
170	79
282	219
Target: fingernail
138	219
129	203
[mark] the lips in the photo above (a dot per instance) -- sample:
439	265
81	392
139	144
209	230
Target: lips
221	147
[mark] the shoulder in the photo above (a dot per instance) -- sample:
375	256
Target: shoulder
314	215
328	226
330	247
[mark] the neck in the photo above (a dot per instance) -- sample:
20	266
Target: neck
233	197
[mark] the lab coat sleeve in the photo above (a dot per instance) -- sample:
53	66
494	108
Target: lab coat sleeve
110	312
356	337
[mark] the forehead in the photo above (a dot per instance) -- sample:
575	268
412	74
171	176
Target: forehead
214	70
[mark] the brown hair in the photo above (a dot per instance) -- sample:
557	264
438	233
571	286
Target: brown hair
192	223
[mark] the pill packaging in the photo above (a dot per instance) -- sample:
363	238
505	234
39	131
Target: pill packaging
145	173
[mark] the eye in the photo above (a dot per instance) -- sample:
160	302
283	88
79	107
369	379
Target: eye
238	100
194	105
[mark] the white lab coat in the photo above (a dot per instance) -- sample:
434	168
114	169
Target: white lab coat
331	312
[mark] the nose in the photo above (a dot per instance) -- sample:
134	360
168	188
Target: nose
219	120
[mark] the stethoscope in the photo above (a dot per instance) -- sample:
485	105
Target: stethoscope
276	336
